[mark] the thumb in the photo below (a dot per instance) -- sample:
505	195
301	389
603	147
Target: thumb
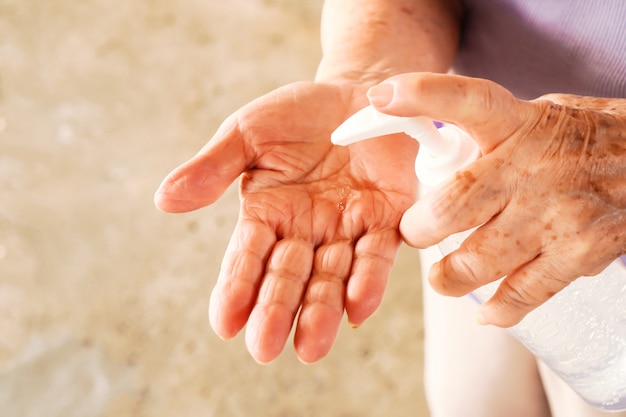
488	112
204	178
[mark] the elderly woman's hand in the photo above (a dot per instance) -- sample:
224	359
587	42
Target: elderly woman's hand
317	233
549	194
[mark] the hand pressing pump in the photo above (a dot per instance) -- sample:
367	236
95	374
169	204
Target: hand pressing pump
580	332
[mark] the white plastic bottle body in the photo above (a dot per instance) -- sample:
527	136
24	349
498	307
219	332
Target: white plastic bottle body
580	333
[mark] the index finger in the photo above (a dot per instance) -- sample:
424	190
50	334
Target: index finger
487	111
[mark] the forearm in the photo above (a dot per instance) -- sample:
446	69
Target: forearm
370	40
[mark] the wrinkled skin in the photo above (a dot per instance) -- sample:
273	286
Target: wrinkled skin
549	191
317	232
318	227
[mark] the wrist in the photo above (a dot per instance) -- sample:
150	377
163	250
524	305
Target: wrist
337	74
369	70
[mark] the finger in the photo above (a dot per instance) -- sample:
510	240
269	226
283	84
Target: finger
204	178
374	255
240	276
534	283
471	198
523	291
280	295
323	304
486	110
489	253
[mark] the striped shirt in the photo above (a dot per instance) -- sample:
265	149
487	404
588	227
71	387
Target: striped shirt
534	47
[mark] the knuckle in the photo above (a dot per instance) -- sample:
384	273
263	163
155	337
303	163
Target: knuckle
491	98
455	275
485	97
326	292
445	202
519	296
580	252
467	267
525	292
334	260
420	84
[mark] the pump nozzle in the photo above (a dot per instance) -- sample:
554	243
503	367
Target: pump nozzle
442	151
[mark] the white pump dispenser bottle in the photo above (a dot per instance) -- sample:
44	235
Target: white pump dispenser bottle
580	332
442	152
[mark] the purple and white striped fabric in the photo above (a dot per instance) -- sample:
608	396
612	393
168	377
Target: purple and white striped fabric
534	47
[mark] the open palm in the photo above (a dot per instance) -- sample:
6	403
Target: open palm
318	227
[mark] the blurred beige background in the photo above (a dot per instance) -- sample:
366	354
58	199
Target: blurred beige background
102	298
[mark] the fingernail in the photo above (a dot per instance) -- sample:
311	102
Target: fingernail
354	325
380	95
